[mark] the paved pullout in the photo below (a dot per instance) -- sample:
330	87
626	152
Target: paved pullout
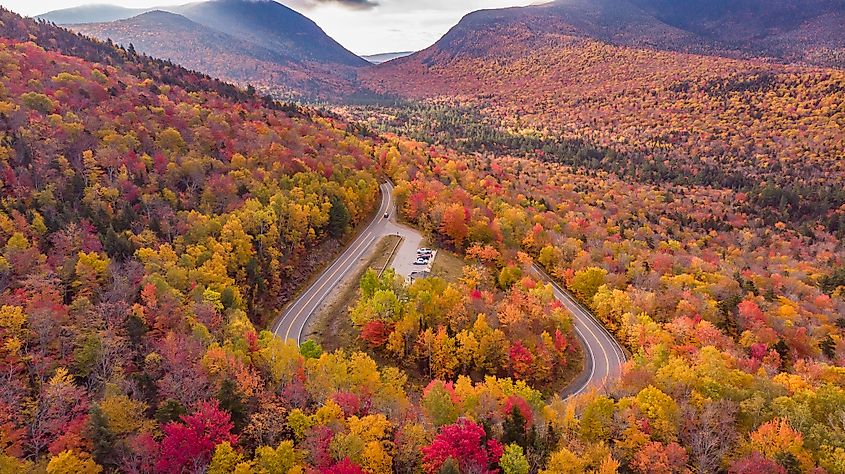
603	355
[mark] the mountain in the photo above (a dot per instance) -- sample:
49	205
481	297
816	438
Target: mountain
590	72
263	43
90	14
385	57
270	25
795	31
174	37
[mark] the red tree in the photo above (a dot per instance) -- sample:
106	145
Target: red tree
190	444
465	443
375	333
343	467
521	361
755	463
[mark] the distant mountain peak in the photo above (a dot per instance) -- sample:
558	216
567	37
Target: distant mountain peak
260	42
808	31
93	13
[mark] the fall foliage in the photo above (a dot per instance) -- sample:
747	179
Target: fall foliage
153	220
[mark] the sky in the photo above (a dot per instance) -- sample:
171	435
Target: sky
362	26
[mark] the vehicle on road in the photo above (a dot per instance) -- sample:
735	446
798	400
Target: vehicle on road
387	214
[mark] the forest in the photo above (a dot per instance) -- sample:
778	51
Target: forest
735	326
153	221
648	115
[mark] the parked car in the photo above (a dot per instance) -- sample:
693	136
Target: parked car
424	251
421	261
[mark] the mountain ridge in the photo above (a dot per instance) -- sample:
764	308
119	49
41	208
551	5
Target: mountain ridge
728	29
92	13
264	44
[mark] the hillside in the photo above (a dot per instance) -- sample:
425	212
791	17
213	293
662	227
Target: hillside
745	28
270	25
154	220
657	115
198	47
264	43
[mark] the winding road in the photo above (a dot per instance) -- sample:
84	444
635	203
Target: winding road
603	355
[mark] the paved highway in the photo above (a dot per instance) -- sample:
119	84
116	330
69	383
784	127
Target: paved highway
294	318
604	357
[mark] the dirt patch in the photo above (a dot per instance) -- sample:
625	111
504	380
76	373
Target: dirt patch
448	266
331	326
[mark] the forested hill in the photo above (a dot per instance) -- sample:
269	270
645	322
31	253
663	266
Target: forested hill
153	219
61	40
799	31
262	43
651	114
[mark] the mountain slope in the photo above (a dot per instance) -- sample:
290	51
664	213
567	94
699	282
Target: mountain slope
177	38
262	43
174	37
90	14
662	115
802	30
792	30
271	25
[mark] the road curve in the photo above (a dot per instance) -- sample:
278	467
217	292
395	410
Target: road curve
291	323
603	355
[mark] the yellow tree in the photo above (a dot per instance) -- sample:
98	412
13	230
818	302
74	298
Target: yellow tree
68	462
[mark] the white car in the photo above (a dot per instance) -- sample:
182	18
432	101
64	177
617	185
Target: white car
421	261
425	251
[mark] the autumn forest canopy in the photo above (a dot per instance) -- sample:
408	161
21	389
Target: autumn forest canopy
683	185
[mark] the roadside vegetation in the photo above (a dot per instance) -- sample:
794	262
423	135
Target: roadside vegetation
153	220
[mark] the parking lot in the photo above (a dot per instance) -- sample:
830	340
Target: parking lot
423	262
407	262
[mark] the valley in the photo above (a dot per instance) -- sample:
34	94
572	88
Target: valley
582	236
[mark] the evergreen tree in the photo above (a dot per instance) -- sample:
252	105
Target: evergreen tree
338	217
231	401
169	411
514	428
102	438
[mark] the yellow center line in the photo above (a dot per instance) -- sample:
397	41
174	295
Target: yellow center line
353	251
320	288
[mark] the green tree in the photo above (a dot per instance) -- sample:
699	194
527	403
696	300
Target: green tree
513	460
232	401
514	428
102	438
339	218
169	411
310	349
